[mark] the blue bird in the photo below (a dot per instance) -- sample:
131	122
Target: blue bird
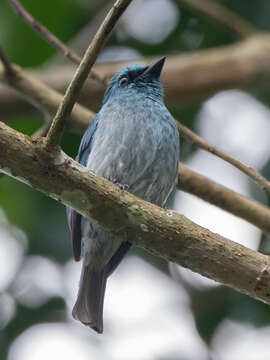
133	141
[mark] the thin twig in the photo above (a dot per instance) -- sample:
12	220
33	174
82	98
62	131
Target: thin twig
224	198
81	39
222	15
11	75
8	68
90	56
51	38
45	98
198	141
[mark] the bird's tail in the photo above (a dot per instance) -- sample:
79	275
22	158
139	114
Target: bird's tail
89	305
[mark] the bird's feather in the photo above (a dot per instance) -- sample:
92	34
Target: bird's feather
75	226
73	217
86	141
89	305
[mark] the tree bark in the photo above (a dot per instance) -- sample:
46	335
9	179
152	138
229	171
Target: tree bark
163	232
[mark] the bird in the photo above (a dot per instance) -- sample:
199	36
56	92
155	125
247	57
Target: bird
133	142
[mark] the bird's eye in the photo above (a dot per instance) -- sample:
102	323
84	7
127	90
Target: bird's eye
123	81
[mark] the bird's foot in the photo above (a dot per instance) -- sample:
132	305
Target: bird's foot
123	187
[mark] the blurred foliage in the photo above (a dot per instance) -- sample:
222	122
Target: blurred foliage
43	219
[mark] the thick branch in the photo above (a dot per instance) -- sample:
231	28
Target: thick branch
163	232
89	58
221	15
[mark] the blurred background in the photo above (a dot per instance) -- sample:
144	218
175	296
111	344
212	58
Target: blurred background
152	310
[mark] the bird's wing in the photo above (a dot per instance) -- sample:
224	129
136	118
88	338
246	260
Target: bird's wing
75	228
86	141
74	218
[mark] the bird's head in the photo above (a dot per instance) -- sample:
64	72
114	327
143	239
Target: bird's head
137	79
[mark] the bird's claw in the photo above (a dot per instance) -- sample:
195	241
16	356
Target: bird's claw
123	187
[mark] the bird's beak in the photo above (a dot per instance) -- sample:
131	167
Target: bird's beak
155	69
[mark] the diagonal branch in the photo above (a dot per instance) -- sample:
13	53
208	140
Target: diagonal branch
226	199
166	233
51	38
221	15
43	97
89	58
197	140
7	66
11	74
81	39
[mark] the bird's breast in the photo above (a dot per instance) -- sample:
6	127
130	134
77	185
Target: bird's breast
136	145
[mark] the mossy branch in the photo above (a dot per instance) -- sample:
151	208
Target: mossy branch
165	233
